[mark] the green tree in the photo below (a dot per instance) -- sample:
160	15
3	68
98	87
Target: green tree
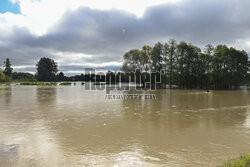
46	69
145	57
217	65
186	66
61	77
237	67
157	57
7	68
230	67
137	59
209	51
192	67
182	49
131	60
170	54
23	76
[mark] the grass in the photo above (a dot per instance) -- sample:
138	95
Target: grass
38	83
243	161
65	83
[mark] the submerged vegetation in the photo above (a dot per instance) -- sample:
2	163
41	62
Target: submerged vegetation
38	83
65	83
243	161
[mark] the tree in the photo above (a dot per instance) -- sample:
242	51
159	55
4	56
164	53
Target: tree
157	57
7	68
237	67
188	67
131	60
23	76
145	57
182	49
170	59
209	51
46	69
137	59
221	67
61	77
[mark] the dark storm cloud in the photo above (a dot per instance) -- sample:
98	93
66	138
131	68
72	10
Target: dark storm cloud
205	21
107	35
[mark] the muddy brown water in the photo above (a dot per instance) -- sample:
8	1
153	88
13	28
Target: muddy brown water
66	126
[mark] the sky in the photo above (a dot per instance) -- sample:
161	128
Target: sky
96	33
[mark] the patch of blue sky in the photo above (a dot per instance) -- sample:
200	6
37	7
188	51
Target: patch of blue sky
8	6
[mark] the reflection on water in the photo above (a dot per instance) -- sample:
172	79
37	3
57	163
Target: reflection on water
46	96
7	93
68	126
8	154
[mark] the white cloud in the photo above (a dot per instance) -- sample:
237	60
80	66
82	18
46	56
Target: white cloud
39	15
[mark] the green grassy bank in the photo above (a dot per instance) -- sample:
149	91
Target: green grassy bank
242	161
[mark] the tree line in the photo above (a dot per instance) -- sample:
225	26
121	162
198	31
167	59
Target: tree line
184	65
47	70
187	66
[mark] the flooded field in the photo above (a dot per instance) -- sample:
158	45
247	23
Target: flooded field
66	126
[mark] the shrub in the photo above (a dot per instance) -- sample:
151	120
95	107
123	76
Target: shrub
243	161
7	78
2	77
65	83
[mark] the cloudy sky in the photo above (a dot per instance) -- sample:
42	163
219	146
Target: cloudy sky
96	33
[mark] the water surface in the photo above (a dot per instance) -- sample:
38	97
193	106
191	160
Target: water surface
66	126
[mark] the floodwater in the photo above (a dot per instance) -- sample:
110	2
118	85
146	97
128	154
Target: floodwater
66	126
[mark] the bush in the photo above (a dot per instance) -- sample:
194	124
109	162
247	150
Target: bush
7	78
2	77
65	83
